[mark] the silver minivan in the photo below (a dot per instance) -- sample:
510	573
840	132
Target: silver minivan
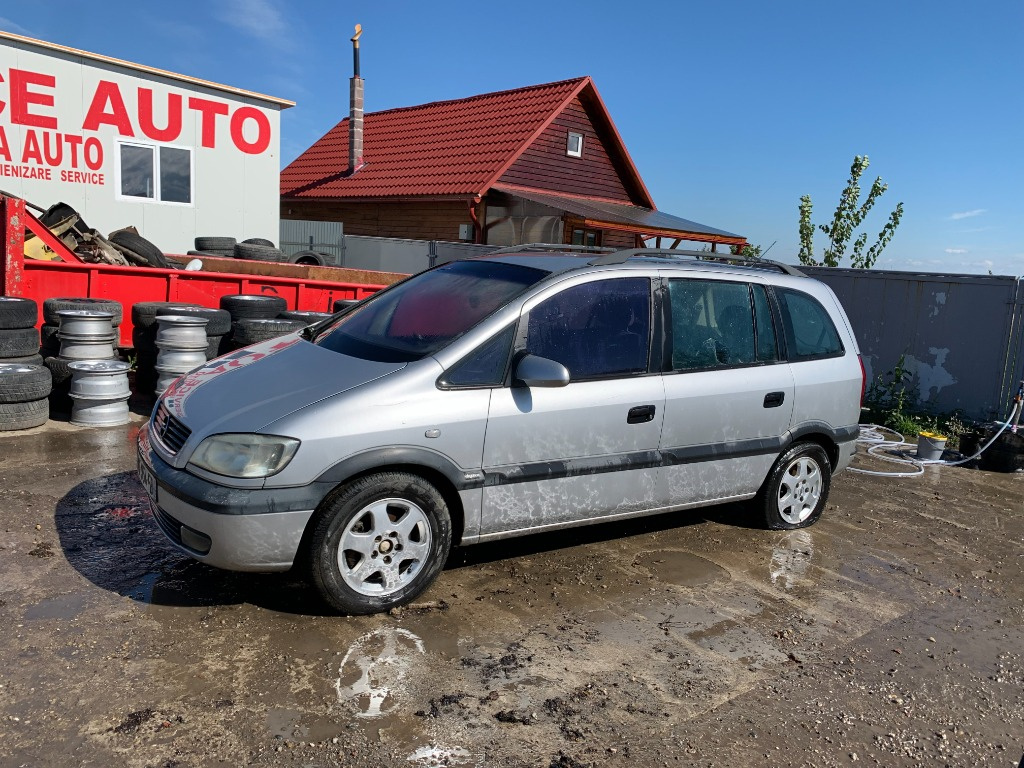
502	395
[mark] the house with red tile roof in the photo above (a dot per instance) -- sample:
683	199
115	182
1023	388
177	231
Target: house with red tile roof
543	163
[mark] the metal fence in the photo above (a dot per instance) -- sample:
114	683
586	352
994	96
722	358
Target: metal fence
961	336
386	254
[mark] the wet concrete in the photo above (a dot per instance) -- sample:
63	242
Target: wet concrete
891	633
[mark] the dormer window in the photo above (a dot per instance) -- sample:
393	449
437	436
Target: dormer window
574	144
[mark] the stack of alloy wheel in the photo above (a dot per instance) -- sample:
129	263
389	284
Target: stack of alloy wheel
24	382
89	339
182	342
144	332
255	318
144	329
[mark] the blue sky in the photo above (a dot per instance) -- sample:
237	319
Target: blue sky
730	110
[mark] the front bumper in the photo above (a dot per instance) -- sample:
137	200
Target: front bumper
236	529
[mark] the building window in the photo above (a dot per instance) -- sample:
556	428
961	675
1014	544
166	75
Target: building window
574	144
161	174
588	237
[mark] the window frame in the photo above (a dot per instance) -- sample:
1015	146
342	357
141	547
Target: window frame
784	345
654	327
155	156
668	343
569	151
444	383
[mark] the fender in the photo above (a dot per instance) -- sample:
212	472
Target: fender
379	458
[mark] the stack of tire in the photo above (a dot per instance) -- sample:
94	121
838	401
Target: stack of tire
24	383
221	247
144	315
60	397
255	318
258	249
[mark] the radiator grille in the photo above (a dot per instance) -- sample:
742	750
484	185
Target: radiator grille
171	432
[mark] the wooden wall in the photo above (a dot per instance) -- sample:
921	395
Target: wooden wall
544	165
427	220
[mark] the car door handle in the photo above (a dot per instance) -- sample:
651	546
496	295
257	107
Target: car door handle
774	399
640	414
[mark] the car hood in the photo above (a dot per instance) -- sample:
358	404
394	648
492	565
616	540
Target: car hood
253	387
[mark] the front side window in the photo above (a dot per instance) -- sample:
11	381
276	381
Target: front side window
162	174
810	332
596	330
419	316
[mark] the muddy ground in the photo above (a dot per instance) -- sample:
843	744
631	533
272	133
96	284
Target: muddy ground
891	633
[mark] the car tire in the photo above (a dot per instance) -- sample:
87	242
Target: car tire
16	312
215	244
246	306
255	252
348	562
218	321
796	490
307	317
24	383
15	416
19	342
253	331
136	243
258	241
52	306
309	258
23	360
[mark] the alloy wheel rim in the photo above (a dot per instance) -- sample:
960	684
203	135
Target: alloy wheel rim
799	490
384	547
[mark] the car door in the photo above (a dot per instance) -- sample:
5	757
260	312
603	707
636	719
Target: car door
555	455
728	393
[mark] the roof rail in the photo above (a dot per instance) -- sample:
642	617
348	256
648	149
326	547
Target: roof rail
555	247
620	257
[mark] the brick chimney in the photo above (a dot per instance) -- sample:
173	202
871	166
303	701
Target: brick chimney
355	115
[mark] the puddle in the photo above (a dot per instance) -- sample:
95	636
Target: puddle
63	607
790	558
438	755
680	568
371	678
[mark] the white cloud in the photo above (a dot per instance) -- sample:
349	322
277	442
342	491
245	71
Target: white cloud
968	214
259	18
956	250
9	26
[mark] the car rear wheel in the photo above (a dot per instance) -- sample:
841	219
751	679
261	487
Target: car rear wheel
379	543
796	490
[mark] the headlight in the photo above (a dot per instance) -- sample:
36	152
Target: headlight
245	455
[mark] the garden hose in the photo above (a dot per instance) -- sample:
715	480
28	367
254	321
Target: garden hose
872	435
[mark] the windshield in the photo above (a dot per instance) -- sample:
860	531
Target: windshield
426	312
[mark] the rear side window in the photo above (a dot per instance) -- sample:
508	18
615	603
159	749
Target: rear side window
596	330
810	332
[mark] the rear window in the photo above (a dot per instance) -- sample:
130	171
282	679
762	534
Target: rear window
810	332
428	311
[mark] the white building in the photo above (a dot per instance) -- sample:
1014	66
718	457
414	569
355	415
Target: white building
126	144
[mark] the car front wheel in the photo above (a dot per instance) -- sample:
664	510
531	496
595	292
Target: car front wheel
379	542
795	491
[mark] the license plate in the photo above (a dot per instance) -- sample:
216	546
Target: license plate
147	478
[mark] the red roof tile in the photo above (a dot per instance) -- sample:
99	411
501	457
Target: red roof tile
456	148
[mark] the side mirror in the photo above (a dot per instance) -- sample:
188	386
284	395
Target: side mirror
533	371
